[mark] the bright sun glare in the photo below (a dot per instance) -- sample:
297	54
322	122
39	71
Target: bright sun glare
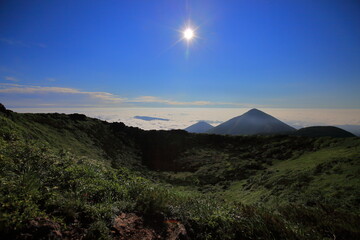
188	34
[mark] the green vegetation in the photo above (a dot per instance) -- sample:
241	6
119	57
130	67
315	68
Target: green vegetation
275	171
69	176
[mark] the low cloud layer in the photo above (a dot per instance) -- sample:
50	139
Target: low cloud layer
180	118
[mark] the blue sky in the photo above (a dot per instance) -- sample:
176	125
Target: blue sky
247	53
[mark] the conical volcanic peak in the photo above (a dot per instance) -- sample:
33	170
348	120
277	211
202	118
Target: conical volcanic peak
254	111
252	122
199	127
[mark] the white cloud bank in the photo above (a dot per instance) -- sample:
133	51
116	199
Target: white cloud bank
180	118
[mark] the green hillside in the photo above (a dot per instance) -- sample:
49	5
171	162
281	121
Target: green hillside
74	177
276	170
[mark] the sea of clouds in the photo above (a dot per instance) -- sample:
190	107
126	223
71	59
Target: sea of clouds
180	118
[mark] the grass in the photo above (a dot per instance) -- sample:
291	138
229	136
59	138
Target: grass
325	175
77	174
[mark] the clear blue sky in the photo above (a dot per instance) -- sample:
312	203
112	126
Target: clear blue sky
269	53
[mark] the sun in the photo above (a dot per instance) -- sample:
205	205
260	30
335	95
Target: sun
188	34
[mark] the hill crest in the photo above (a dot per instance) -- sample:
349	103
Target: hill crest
323	131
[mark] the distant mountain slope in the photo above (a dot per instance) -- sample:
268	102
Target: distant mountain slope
354	129
199	127
252	122
323	131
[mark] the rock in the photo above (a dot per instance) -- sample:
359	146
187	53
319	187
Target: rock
175	230
132	227
42	228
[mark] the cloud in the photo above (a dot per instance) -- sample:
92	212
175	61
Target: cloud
51	79
240	105
24	89
9	78
2	85
152	99
180	118
209	121
104	96
147	118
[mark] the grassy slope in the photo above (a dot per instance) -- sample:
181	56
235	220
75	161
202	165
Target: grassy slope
83	190
328	172
81	136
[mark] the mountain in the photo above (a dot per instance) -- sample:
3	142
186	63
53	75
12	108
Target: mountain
252	122
199	127
323	131
354	129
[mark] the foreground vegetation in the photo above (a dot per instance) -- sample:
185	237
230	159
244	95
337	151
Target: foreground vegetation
69	176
